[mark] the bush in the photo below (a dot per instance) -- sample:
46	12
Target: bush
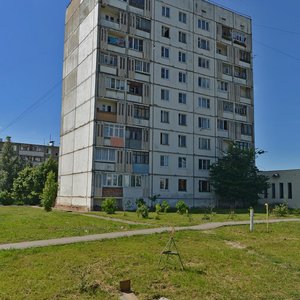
140	202
49	191
280	210
6	198
143	211
158	208
165	206
109	205
181	207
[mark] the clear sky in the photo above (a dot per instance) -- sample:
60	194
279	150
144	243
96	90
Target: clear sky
31	55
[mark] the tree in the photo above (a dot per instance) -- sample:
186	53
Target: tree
10	165
49	191
235	178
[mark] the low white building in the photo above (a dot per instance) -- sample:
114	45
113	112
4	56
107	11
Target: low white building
284	187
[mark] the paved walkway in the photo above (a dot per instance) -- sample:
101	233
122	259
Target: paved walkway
114	235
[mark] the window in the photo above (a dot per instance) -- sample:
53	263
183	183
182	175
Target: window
204	164
245	92
164	183
140	158
143	24
165	52
240	73
182	162
281	191
204	144
182	17
204	186
273	191
164	94
182	98
165	11
164	73
165	32
238	38
204	82
203	63
203	44
204	102
120	42
241	109
246	129
181	57
202	24
142	66
245	56
105	154
182	37
223	86
182	77
164	138
135	88
227	106
181	141
164	160
222	124
107	59
244	145
141	112
181	119
113	180
135	180
203	123
164	116
182	185
136	44
227	69
290	190
115	84
113	130
137	3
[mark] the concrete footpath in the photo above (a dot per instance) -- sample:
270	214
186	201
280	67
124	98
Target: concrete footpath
115	235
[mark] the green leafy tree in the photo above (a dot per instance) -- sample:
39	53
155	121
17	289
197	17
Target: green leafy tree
49	191
235	178
10	165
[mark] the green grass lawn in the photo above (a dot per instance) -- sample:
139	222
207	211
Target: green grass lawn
174	219
20	223
226	263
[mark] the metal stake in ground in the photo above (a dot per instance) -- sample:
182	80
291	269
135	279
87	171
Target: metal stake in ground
171	249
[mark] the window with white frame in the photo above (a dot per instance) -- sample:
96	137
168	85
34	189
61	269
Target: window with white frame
182	77
164	160
204	164
165	11
182	37
164	73
204	102
223	86
222	124
182	17
165	52
204	144
164	138
115	84
204	82
112	180
165	31
203	123
203	24
108	59
181	141
164	94
241	109
164	116
203	62
182	119
182	162
136	44
204	186
181	56
203	44
142	66
113	130
105	154
135	180
182	98
164	183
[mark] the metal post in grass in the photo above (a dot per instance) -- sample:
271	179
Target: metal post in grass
251	219
267	215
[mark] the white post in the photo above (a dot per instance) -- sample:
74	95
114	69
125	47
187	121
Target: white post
251	219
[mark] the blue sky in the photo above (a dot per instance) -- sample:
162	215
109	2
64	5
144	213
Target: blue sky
31	55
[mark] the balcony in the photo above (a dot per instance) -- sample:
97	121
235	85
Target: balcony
106	116
133	144
140	168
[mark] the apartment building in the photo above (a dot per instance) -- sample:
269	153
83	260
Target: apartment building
154	90
34	154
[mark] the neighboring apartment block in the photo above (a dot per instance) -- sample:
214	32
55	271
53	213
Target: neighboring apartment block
34	154
153	93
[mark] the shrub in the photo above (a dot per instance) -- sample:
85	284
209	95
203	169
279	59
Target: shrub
140	202
109	205
158	208
280	210
49	191
165	206
143	211
6	198
181	207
